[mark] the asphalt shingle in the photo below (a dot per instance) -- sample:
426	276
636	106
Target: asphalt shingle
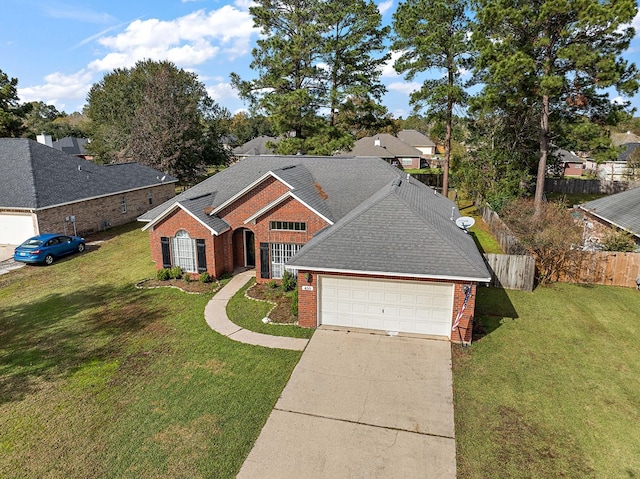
621	209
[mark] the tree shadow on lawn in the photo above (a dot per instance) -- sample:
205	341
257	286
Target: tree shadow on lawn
54	336
492	307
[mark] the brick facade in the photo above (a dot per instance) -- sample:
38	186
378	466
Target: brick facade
101	213
308	300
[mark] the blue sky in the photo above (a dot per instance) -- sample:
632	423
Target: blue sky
58	48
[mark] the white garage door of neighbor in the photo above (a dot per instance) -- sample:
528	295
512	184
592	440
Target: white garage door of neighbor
402	306
14	229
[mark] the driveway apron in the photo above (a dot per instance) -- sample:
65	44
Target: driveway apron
361	405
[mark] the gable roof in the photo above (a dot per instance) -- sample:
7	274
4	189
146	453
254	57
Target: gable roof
415	138
332	186
626	150
621	210
410	214
71	145
567	156
257	146
390	145
36	176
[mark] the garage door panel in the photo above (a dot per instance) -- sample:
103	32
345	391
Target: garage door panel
16	228
404	306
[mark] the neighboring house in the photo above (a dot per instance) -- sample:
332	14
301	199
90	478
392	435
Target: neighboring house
620	211
619	169
371	248
45	190
257	146
419	141
73	146
390	149
567	163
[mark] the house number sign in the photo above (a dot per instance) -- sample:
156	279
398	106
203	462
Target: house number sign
307	288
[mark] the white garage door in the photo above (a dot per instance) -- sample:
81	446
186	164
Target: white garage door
403	306
15	228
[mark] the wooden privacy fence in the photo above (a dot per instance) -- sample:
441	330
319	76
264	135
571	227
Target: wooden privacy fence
503	235
586	187
511	271
430	179
608	268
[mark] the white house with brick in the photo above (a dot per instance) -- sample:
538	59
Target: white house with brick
44	190
371	247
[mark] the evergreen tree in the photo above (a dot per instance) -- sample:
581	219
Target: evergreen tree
551	56
11	113
432	35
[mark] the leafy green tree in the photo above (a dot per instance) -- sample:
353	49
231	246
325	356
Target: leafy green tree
159	115
244	127
11	113
432	36
353	50
552	55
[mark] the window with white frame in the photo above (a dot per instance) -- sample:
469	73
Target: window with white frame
407	161
183	249
280	254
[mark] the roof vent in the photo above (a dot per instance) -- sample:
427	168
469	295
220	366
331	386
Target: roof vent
287	167
376	142
397	182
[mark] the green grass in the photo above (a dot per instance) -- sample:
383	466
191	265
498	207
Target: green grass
483	238
419	171
552	390
102	380
248	313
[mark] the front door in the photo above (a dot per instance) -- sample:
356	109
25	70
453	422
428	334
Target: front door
249	248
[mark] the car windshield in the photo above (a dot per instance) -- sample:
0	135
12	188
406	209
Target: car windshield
32	242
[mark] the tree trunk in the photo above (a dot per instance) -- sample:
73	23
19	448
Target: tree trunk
544	151
447	154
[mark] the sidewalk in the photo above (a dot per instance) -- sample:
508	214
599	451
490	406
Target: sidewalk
215	313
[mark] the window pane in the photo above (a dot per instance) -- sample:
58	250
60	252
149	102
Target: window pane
184	252
280	254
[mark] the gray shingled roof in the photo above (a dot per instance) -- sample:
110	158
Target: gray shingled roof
257	146
405	229
71	145
332	185
390	147
621	210
415	138
36	176
626	151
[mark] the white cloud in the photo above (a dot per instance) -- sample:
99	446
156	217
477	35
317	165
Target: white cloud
244	4
59	86
189	40
618	101
222	91
387	69
404	87
385	6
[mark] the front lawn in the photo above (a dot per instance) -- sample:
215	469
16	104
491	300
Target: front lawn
552	389
99	379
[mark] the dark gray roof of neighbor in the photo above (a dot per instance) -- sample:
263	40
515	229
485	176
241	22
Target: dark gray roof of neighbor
404	228
37	176
567	156
71	145
390	147
257	146
415	138
626	150
331	185
621	209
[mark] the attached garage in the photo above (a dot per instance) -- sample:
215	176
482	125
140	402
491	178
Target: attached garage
16	227
402	306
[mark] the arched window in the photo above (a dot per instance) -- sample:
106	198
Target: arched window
184	252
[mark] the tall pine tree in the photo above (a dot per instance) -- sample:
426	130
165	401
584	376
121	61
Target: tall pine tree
553	56
432	35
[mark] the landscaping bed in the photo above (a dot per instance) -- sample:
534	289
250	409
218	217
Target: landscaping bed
281	312
193	287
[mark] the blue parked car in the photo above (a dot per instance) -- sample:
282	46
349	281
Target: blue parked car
47	247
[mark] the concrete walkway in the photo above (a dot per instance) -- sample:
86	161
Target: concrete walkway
215	313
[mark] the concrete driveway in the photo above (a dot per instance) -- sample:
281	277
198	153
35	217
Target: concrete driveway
361	405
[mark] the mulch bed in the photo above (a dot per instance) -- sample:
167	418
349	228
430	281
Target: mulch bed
193	287
282	312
